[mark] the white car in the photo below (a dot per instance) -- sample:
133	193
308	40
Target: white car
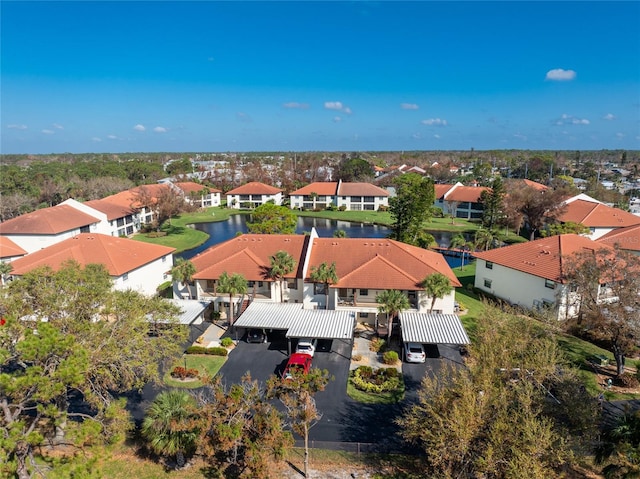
414	353
306	346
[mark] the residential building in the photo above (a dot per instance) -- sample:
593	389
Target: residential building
598	217
47	226
9	250
131	264
252	195
352	196
460	201
627	239
199	195
364	267
533	275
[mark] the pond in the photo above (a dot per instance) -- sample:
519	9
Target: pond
220	231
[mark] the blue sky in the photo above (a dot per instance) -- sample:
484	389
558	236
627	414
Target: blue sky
337	76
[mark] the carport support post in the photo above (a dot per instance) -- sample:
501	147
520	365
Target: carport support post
289	346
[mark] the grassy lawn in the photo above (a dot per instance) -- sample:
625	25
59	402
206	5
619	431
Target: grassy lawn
467	298
389	397
206	364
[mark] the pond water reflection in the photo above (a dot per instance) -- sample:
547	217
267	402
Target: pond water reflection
220	231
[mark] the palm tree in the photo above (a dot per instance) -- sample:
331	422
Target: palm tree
325	274
183	272
484	239
167	424
231	284
437	286
5	269
282	263
392	302
459	241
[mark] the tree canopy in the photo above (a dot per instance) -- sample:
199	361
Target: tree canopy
69	334
270	218
411	207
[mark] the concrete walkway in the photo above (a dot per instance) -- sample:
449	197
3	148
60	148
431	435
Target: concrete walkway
361	343
211	336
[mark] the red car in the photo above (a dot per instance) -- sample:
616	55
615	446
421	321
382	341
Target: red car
299	362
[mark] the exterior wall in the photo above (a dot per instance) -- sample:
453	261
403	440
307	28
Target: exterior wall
598	233
205	201
464	210
102	226
32	243
238	201
362	203
147	278
518	288
445	305
309	203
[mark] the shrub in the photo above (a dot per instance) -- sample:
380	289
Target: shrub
184	373
390	357
342	208
376	344
627	380
226	342
356	357
376	382
383	208
390	372
217	351
196	350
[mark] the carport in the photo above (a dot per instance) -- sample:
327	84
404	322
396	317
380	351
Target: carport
432	328
192	315
297	321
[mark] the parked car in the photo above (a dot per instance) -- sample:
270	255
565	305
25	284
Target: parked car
414	353
297	362
307	346
256	336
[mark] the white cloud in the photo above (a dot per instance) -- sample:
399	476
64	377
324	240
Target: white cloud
558	74
409	106
96	139
520	136
295	104
58	126
160	129
620	136
112	137
337	119
17	127
333	105
609	116
48	132
436	136
416	136
569	119
139	127
347	110
243	117
434	122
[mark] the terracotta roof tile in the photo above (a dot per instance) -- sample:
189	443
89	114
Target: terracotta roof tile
190	186
469	194
48	221
626	238
118	255
254	188
597	215
323	188
544	257
441	190
115	206
8	249
361	189
248	255
378	263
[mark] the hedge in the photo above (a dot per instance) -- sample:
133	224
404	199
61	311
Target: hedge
216	351
377	381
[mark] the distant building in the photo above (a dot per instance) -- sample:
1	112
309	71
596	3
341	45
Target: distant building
352	196
252	195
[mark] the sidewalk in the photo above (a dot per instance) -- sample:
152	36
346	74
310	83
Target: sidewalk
211	337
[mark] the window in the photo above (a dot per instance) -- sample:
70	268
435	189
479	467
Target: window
369	207
84	229
125	277
250	284
364	292
488	265
356	199
319	288
164	259
245	198
549	284
292	283
369	199
487	283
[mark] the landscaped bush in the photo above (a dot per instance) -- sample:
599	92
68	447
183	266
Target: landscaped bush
226	342
366	379
390	357
356	357
627	380
342	208
183	373
217	351
376	344
382	208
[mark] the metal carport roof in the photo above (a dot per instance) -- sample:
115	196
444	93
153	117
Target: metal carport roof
299	322
432	328
190	309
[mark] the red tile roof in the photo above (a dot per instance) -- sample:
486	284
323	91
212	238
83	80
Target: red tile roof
597	215
378	263
545	257
626	238
248	255
322	188
469	194
115	206
255	188
190	186
118	255
361	189
441	190
47	221
8	249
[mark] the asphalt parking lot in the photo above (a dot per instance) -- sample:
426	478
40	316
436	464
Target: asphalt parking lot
343	420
